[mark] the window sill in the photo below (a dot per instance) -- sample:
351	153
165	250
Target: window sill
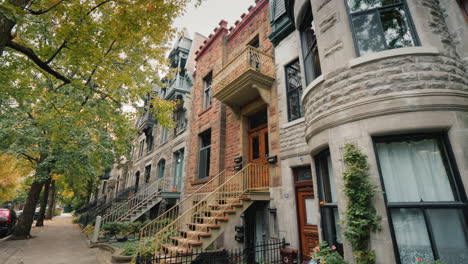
205	110
392	53
312	86
202	181
293	123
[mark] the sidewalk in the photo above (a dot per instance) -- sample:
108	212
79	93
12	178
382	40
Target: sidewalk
58	242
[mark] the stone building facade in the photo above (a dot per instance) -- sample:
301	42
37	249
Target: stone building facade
391	78
159	152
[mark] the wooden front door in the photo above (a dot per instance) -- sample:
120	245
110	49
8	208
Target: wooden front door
258	145
307	210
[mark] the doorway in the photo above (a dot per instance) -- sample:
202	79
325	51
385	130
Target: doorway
137	180
306	212
256	230
259	149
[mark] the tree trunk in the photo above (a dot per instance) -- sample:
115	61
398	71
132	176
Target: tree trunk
23	229
45	197
6	24
50	211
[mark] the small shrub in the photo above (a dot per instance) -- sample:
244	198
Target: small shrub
129	251
325	254
89	230
113	229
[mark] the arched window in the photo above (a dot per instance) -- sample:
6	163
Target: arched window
161	168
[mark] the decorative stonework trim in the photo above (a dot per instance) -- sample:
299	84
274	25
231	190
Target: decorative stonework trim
323	4
387	111
338	45
328	22
312	86
293	123
392	53
295	155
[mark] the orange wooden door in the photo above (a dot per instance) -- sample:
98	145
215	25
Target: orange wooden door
308	232
258	146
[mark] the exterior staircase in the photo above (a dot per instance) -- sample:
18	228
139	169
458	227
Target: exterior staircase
134	207
205	214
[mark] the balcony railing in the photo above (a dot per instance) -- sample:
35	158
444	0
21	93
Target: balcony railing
249	59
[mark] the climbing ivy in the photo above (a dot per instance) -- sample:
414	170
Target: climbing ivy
361	216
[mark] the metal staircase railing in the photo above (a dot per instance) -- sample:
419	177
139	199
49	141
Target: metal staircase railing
254	177
145	195
153	227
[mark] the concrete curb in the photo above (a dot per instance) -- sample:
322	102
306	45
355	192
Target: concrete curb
116	257
5	238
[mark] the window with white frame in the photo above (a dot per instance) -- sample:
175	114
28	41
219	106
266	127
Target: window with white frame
380	25
207	90
204	155
425	200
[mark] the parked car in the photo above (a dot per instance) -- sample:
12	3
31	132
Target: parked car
8	220
36	213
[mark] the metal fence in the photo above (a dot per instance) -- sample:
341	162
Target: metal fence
267	252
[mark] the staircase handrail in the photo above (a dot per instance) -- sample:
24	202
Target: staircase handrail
148	192
159	222
232	189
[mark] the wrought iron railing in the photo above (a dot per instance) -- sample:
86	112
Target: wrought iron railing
268	251
148	232
254	177
147	193
249	59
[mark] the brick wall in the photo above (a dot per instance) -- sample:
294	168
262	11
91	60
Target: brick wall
226	135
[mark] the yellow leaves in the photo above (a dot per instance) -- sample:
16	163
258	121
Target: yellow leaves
163	111
12	172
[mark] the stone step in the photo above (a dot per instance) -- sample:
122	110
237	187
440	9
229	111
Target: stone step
185	242
171	249
211	219
203	227
194	235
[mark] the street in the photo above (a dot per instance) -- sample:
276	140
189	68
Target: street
58	242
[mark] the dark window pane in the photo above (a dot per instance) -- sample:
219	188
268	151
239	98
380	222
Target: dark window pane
295	109
368	33
258	119
396	28
205	152
267	147
449	229
161	167
303	174
362	5
331	227
309	48
411	235
255	148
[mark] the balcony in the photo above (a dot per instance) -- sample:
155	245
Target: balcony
246	77
179	86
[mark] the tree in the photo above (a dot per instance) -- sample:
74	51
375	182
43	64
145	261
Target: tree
12	171
66	70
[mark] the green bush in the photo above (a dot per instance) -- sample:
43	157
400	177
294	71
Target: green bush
326	254
113	229
361	216
129	251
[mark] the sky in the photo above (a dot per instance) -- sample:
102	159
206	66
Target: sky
207	16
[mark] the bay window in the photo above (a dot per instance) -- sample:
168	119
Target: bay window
426	202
